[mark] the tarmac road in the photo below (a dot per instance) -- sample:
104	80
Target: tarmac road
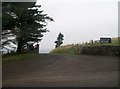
56	70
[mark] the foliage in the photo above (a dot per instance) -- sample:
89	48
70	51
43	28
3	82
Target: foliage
59	40
25	20
107	50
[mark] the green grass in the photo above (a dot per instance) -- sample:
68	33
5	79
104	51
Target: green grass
115	42
10	58
67	49
71	49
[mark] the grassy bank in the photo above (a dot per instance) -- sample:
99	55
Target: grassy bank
92	49
9	58
67	49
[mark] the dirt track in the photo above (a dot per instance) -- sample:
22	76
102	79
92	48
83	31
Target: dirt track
53	70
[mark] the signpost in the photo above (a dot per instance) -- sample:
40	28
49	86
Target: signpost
105	40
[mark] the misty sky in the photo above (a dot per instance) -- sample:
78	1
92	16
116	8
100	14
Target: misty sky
79	21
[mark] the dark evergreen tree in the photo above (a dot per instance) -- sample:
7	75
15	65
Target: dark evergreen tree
59	40
25	21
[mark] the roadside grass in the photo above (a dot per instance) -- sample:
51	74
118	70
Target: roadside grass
99	44
75	48
67	49
10	58
115	42
71	49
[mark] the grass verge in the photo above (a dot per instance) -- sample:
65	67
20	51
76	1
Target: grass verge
76	48
67	49
10	58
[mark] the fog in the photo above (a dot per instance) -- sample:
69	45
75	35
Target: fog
79	21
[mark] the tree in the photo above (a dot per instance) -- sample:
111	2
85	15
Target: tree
59	40
25	21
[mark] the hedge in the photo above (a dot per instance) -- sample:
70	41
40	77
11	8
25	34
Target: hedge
101	50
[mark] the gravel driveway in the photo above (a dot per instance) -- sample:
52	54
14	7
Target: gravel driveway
55	70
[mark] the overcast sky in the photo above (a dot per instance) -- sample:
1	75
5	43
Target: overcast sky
79	21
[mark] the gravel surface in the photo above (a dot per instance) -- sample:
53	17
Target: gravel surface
55	70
